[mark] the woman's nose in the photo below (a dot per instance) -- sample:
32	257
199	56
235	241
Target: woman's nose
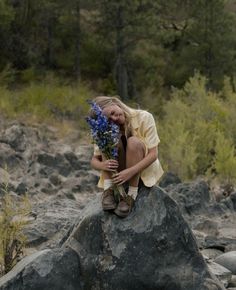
115	118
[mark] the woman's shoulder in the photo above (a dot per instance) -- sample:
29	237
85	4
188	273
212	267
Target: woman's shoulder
140	113
142	118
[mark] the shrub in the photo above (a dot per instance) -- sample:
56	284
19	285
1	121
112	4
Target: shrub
198	131
47	100
12	222
224	161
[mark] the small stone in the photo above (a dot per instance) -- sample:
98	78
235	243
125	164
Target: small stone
22	188
223	274
228	260
232	282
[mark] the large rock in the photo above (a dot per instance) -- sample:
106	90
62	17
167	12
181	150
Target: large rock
15	137
48	269
191	197
168	179
233	199
214	221
233	281
9	158
228	260
32	154
53	220
223	274
153	248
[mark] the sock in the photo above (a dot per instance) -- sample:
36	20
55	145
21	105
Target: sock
107	183
133	191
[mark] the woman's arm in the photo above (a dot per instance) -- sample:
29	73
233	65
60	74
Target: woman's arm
128	173
146	161
105	165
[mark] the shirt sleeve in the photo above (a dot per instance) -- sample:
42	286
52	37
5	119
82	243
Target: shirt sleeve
96	150
150	133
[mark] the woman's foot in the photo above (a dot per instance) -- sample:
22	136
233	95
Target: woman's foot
124	207
108	200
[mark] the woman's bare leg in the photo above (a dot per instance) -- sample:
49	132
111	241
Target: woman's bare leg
135	152
108	199
121	161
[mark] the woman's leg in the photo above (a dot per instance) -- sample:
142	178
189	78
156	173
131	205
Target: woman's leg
135	152
121	161
108	200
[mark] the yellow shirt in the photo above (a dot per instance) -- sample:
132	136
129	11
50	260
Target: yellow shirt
144	127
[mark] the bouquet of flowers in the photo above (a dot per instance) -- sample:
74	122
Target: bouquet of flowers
105	135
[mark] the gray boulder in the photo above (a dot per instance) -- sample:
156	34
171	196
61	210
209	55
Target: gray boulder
228	260
192	198
153	248
53	220
48	269
15	137
168	179
211	253
223	274
9	158
213	220
233	281
233	199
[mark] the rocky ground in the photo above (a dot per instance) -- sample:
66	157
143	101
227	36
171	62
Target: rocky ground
57	176
55	173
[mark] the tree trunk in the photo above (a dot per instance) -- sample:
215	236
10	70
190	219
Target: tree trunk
120	63
49	56
78	42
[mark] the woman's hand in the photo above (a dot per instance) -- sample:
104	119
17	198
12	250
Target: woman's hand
123	176
110	165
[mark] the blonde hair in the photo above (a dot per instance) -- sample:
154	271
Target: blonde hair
105	101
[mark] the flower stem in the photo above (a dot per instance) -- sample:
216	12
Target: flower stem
119	190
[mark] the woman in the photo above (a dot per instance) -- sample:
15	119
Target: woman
137	153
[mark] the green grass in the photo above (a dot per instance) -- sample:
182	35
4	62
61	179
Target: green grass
46	101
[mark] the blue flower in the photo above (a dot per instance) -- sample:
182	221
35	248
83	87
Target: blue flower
104	132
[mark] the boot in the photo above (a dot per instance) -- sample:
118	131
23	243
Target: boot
108	200
124	207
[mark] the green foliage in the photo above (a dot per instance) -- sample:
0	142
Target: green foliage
51	99
224	162
228	94
197	132
120	47
213	26
181	150
177	143
6	103
12	222
196	36
6	13
7	76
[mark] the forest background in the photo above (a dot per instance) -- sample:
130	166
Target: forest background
175	58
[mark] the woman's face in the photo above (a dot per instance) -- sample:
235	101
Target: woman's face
115	114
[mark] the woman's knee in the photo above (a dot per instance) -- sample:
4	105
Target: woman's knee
135	144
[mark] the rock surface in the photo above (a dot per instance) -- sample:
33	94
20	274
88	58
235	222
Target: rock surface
213	222
233	281
228	260
57	176
41	165
48	269
223	274
153	248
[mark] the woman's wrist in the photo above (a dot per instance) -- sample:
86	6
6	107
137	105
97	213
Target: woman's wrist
134	170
